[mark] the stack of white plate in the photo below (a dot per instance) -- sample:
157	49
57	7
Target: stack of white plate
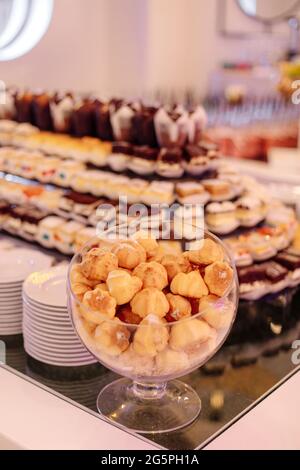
15	265
49	336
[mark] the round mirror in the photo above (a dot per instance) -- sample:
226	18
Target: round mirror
22	25
268	11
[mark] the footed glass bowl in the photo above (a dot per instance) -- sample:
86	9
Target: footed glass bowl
143	341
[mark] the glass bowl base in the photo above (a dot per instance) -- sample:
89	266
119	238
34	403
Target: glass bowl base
146	409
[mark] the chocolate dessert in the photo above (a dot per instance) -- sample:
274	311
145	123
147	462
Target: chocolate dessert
102	121
170	155
41	112
274	271
289	261
251	274
83	119
24	107
79	198
145	152
143	125
122	147
194	151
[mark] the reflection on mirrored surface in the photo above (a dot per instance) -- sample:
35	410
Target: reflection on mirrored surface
268	10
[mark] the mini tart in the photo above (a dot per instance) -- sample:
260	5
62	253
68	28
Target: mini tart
120	156
221	217
169	163
143	160
196	161
192	193
250	211
219	190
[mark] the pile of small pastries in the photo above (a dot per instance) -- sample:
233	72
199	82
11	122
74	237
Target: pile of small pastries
146	309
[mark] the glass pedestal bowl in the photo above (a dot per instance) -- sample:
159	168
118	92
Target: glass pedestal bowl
156	351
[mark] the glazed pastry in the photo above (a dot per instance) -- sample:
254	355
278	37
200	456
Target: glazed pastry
65	236
143	160
97	264
122	286
149	244
150	301
171	127
66	171
218	277
143	126
158	192
129	254
208	252
221	217
120	156
100	305
180	308
151	337
77	277
169	163
192	193
61	108
189	285
46	230
196	161
175	264
152	274
250	211
218	313
219	190
188	336
112	337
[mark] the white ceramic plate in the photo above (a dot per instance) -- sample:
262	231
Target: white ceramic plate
47	309
46	327
52	338
10	331
55	351
58	363
17	264
58	324
51	354
48	287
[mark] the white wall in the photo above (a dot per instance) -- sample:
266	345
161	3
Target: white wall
129	46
